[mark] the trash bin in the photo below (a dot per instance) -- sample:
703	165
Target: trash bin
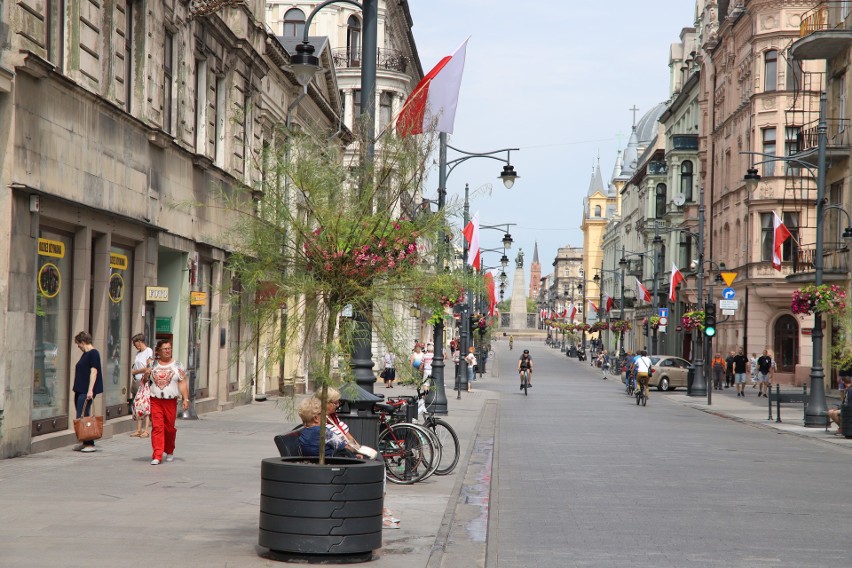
572	351
690	377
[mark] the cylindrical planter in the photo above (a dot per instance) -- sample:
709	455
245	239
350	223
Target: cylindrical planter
846	420
326	510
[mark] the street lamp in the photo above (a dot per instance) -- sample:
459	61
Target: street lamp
436	398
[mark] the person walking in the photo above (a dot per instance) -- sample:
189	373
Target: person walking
142	400
718	366
729	369
752	361
389	372
416	360
470	359
168	382
428	357
741	369
88	382
765	373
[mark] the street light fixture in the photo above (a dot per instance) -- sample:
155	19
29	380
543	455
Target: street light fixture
508	176
751	179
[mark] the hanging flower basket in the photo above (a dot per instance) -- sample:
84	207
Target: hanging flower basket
654	321
692	320
620	326
582	327
823	299
570	327
600	326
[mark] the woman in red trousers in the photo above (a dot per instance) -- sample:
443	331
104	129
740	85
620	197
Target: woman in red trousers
168	382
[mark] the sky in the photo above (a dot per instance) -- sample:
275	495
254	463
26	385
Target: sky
555	78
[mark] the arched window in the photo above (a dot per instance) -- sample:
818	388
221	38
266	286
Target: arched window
770	70
597	210
294	23
353	41
660	209
686	179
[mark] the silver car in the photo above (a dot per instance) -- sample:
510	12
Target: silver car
669	372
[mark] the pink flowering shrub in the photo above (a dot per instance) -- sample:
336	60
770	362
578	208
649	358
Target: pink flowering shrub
823	299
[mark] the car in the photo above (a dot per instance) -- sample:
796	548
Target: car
669	372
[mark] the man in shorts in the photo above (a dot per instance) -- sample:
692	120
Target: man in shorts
764	374
741	370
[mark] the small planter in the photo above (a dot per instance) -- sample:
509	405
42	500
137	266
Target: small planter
325	512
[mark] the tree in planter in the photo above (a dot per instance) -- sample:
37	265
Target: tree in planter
331	240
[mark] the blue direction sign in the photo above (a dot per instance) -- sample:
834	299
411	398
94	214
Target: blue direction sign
729	293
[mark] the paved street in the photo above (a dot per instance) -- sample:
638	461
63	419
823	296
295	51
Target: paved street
575	474
584	477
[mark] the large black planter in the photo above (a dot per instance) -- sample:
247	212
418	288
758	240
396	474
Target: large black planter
331	511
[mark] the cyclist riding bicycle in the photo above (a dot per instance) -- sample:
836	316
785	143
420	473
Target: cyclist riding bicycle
643	371
525	364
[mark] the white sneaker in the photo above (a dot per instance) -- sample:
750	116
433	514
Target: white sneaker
88	449
168	457
155	462
78	447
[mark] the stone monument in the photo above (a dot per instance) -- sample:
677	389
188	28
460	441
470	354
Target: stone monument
518	308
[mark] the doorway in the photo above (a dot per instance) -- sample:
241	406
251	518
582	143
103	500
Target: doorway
786	345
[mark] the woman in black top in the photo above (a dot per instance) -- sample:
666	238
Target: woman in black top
88	381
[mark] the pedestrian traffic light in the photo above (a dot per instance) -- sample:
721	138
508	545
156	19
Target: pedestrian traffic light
710	319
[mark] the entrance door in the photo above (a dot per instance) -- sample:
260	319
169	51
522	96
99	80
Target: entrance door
786	343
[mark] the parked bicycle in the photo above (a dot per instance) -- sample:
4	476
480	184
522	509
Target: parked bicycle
409	451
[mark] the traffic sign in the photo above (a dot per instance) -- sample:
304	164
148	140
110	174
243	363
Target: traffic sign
729	312
728	277
729	293
663	321
663	312
729	305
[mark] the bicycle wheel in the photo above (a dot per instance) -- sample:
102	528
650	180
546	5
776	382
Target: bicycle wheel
402	447
432	450
644	399
449	445
526	382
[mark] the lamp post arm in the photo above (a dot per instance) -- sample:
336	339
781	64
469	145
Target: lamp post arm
320	7
453	163
772	158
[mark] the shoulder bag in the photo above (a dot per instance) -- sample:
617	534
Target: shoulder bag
89	428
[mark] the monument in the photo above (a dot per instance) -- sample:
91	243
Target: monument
518	308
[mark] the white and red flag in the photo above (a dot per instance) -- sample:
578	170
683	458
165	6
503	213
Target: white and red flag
779	235
642	292
677	278
594	307
435	97
471	233
609	303
572	312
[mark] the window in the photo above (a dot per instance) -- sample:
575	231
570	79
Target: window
54	24
767	228
770	70
356	105
767	236
845	7
294	23
769	148
129	8
833	217
597	210
686	179
168	81
794	74
385	110
219	124
200	105
841	102
792	146
353	41
660	205
791	221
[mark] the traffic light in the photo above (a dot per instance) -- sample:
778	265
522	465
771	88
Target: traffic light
710	319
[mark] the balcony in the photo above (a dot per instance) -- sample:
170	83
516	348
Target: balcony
837	140
835	263
657	168
685	142
387	59
820	38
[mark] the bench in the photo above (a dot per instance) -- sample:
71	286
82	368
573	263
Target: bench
288	444
787	397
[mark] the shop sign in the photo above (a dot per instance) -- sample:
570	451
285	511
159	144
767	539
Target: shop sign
163	325
116	288
46	247
156	293
118	261
49	280
198	298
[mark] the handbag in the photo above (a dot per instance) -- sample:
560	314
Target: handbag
88	428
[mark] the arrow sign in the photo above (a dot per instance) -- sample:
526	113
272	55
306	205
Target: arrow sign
729	293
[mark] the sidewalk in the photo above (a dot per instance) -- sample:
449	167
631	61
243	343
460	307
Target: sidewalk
65	508
753	410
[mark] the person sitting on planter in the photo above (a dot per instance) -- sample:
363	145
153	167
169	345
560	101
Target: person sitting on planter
834	414
335	444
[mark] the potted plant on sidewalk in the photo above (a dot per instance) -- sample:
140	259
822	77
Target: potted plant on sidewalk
328	242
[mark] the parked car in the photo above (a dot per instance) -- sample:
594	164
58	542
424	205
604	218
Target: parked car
669	372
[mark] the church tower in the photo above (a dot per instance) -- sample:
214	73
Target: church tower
535	274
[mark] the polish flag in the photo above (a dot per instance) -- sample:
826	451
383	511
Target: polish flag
643	292
435	97
609	302
564	313
594	307
677	278
781	234
471	233
573	312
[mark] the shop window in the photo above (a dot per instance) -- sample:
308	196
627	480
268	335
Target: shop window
119	354
53	338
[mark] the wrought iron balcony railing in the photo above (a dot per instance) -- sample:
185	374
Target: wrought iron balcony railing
836	135
388	59
835	259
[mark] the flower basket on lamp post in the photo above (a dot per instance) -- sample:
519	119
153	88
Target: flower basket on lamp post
824	299
692	320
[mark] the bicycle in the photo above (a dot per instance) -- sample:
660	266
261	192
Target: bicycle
631	384
408	450
525	378
641	397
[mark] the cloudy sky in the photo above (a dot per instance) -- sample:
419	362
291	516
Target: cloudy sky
555	78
